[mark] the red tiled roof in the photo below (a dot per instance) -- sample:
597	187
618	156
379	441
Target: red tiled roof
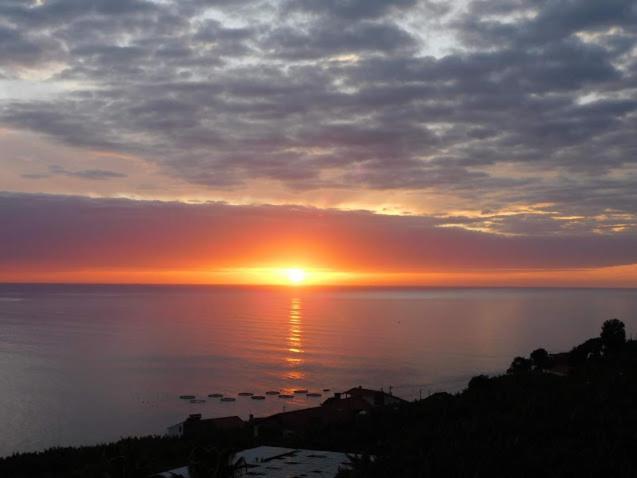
335	411
352	404
226	423
359	392
294	419
222	423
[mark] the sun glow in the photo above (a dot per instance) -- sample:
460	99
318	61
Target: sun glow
286	275
295	276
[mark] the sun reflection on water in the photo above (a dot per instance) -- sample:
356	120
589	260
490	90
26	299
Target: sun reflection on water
294	356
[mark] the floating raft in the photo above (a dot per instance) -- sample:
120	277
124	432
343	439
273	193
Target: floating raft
216	395
245	394
285	395
228	399
257	397
187	397
272	392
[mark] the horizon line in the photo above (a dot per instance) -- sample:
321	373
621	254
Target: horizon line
312	286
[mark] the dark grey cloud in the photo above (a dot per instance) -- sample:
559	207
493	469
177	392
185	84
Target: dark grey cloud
35	176
52	13
532	103
328	39
550	21
351	9
18	48
90	174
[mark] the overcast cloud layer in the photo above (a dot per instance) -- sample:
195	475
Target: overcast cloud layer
494	103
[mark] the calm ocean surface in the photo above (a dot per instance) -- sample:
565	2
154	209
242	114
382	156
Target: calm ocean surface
84	364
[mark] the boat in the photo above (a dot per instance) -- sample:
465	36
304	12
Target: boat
314	394
326	389
272	392
187	397
300	391
228	399
245	394
216	395
285	395
257	397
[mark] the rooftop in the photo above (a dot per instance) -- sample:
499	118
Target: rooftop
360	391
332	411
278	462
275	462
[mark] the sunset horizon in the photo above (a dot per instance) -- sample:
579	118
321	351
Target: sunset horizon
139	241
414	142
611	277
336	238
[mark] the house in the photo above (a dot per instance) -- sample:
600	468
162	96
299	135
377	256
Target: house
331	412
181	472
376	398
195	425
340	409
278	462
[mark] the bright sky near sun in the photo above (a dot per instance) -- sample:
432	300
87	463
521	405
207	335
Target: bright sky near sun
327	142
296	276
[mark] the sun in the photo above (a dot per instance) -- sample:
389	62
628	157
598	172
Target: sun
296	276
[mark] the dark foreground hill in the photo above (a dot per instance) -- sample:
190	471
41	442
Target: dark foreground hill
529	422
571	414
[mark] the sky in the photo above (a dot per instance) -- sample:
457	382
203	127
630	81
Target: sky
466	142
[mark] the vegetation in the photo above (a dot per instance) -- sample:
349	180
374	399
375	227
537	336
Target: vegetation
131	458
531	421
211	462
540	360
613	335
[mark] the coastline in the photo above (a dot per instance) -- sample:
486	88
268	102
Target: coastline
530	408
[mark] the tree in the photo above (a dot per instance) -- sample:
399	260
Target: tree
213	463
613	335
589	350
361	466
540	359
478	382
520	365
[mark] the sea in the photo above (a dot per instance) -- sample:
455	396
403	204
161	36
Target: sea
87	364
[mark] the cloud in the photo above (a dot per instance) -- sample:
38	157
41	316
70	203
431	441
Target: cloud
531	102
323	40
351	9
90	174
18	49
49	232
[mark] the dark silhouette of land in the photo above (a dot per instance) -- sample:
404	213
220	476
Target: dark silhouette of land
567	414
